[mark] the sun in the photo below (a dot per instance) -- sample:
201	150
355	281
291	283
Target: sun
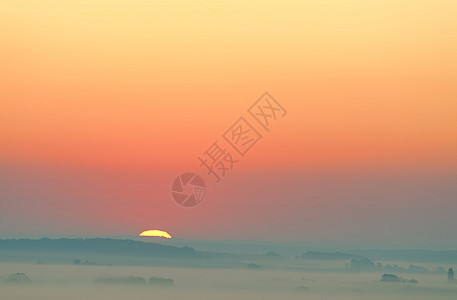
156	233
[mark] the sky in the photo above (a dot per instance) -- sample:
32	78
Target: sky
103	103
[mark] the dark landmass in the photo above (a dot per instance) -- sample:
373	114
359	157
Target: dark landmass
109	251
409	255
159	281
97	245
362	264
395	278
328	255
253	266
367	265
18	278
132	280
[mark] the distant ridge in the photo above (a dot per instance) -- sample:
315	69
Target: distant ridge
328	255
104	246
127	251
411	255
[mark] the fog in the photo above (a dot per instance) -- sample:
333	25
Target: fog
77	282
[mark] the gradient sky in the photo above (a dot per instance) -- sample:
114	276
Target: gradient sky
103	103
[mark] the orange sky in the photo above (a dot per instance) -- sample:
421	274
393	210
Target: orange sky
130	82
150	85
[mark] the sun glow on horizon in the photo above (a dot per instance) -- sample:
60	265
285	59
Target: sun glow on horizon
155	233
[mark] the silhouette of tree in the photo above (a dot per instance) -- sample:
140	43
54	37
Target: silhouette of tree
450	275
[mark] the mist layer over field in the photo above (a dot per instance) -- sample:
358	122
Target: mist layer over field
77	282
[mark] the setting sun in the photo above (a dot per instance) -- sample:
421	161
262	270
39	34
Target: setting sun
156	233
